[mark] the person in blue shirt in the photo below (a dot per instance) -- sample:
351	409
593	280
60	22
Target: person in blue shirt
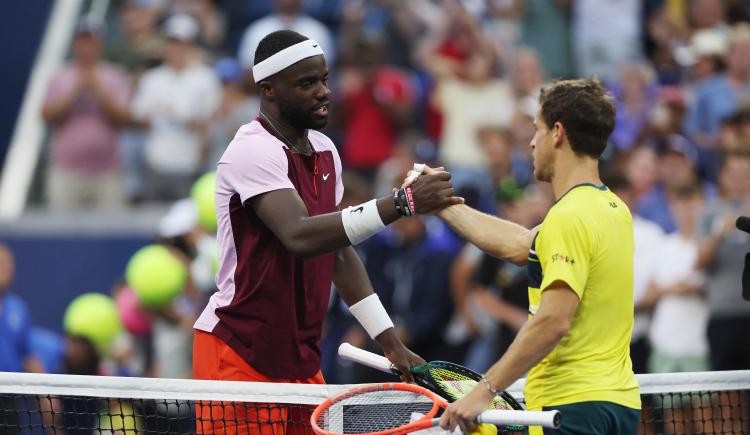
15	323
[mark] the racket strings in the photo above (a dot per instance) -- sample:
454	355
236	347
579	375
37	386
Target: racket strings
456	385
374	411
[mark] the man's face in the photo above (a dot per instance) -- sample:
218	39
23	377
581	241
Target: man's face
7	268
542	149
86	48
302	93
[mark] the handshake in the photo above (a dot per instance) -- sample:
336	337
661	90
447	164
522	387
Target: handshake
425	190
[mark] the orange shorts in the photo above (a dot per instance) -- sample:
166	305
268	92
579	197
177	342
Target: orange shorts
215	360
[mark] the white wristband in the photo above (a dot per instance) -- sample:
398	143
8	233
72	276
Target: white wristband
362	221
371	314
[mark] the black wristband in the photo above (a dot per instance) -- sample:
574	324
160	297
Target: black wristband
403	203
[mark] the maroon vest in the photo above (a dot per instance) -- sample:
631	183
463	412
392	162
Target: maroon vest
275	319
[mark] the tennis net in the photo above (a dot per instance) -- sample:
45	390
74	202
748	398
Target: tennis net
706	402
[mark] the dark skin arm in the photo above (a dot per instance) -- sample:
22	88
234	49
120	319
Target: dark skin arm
353	285
307	236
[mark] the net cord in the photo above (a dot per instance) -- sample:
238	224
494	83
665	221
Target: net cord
662	383
232	391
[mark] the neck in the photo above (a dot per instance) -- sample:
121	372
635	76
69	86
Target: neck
295	138
572	171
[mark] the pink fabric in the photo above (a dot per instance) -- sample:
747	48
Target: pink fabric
270	304
85	140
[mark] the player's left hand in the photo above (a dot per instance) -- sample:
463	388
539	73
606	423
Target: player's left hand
398	354
463	412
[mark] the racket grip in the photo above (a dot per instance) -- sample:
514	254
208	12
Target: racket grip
369	359
526	418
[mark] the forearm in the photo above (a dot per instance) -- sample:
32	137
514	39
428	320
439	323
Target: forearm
707	251
495	236
353	284
321	234
536	339
350	276
54	111
117	113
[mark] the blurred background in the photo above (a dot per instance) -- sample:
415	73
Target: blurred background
114	114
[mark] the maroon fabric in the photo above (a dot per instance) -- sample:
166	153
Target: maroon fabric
275	319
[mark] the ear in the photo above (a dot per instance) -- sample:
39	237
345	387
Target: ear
558	134
267	89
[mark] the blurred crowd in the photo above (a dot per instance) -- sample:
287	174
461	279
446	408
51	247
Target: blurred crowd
150	98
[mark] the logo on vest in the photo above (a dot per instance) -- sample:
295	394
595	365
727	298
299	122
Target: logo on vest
325	176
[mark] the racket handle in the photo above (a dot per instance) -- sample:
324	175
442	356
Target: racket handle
369	359
525	418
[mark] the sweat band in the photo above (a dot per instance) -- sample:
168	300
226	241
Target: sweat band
370	313
362	221
285	58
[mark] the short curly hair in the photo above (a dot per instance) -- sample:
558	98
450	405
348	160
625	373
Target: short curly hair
584	109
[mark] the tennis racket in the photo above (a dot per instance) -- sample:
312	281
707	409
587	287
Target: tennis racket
396	408
451	381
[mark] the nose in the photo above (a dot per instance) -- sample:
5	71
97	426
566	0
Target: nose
322	91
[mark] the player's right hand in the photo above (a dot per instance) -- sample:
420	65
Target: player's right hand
432	191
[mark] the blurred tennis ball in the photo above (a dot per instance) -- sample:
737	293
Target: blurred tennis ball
120	418
485	429
156	275
95	317
203	195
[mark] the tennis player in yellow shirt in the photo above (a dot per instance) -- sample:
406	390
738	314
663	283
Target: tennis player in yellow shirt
575	345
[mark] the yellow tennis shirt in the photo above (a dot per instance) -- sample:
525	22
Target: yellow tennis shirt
586	241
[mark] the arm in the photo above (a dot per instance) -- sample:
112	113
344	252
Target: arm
351	280
709	246
55	109
537	338
284	212
497	237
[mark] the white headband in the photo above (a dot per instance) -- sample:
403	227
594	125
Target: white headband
286	58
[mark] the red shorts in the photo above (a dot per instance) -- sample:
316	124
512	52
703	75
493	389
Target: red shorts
215	360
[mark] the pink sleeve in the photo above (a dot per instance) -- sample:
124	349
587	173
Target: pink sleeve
58	86
253	167
339	179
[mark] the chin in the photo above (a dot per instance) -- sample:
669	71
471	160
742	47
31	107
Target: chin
317	124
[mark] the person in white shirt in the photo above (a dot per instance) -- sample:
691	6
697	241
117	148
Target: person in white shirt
288	16
175	102
680	319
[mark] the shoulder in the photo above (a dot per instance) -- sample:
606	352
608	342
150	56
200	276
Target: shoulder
321	142
252	142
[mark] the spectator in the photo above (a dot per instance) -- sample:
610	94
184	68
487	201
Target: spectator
139	45
288	16
642	171
15	323
546	28
717	98
469	96
721	257
86	105
238	107
635	96
175	103
377	102
138	48
205	12
606	34
677	167
678	325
